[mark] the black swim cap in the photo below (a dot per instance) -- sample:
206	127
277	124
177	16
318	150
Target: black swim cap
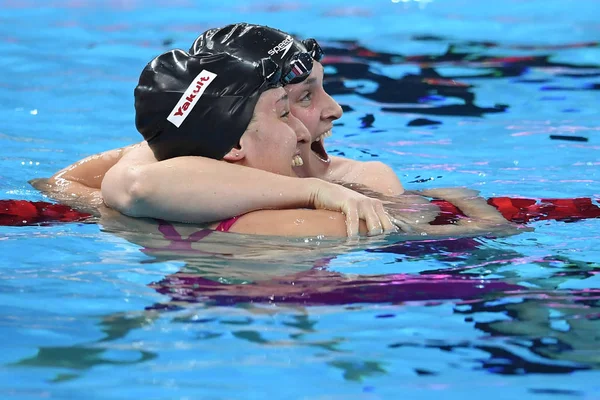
254	42
201	104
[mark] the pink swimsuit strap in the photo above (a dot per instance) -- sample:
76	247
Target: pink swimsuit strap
226	224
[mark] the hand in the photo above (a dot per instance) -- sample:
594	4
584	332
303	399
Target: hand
411	209
493	228
450	193
355	206
481	218
469	202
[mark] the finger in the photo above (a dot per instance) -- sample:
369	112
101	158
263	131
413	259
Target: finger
367	213
352	220
384	218
404	227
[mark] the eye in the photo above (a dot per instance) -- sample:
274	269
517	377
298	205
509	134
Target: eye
285	115
306	97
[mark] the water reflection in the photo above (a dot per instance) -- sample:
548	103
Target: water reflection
352	70
82	357
544	329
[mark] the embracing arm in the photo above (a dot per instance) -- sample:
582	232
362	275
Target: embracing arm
481	218
301	223
375	175
78	185
90	171
200	190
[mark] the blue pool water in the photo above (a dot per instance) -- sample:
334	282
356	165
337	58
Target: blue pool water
87	315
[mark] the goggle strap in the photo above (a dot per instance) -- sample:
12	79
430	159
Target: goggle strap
312	46
270	70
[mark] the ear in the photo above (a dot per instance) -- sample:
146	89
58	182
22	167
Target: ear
236	154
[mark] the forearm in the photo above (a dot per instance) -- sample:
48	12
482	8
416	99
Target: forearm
297	222
200	190
468	201
479	217
90	171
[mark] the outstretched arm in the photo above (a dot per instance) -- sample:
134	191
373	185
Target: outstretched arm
481	218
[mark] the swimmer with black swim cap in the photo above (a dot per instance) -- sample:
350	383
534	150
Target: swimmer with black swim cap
220	106
302	76
253	42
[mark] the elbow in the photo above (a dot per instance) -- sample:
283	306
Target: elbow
125	190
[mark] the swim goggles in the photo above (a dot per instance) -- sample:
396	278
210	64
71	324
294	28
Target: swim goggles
300	65
296	70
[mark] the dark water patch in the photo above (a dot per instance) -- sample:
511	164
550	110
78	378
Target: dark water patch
450	110
580	75
560	88
500	360
424	372
558	392
207	335
553	98
418	179
77	358
250	336
529	80
358	370
569	138
368	153
367	121
245	321
302	322
423	122
503	362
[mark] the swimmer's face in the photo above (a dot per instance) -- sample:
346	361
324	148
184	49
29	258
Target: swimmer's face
273	137
316	110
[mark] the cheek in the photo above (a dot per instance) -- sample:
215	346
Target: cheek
284	142
308	116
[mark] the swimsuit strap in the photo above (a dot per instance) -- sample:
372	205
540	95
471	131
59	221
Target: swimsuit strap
225	225
176	242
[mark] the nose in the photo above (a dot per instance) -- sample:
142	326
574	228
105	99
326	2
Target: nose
302	134
332	110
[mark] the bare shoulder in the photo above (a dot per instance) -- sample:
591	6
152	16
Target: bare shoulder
296	222
340	166
375	175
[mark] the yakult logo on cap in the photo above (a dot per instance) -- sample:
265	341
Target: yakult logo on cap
190	97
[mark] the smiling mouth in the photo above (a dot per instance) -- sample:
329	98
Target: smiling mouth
318	148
